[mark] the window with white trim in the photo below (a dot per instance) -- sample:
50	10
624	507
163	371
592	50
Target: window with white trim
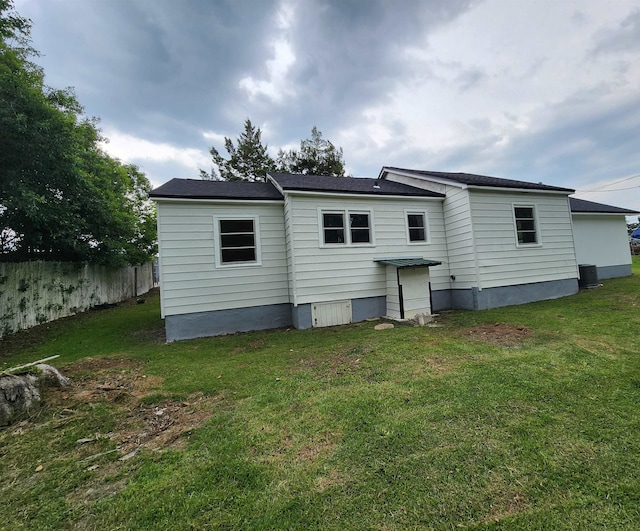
237	241
417	227
526	228
346	227
360	228
333	227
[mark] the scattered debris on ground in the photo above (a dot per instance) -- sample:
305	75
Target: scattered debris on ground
122	385
502	334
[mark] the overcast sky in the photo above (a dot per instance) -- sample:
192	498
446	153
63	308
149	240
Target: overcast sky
544	90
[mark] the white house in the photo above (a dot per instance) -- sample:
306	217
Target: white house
307	251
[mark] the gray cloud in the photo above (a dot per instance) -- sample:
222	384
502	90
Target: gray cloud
625	38
349	54
165	71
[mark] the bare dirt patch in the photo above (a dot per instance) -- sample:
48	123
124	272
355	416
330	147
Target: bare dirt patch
140	420
502	334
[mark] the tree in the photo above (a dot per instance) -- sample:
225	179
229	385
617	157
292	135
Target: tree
248	159
61	196
316	156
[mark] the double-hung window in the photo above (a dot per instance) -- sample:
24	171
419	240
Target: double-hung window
333	227
346	227
526	227
359	227
417	227
238	243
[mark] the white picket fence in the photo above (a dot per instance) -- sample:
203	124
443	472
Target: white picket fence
33	293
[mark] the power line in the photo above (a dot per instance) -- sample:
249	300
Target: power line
605	191
600	189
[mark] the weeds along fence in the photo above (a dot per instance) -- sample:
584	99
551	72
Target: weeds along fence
33	293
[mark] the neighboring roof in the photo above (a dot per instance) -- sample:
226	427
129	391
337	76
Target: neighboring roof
202	189
346	185
479	180
589	207
402	263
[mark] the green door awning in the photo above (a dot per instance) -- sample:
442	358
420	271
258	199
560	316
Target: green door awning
402	263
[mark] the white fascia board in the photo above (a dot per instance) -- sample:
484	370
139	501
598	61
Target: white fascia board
275	183
449	182
602	214
437	180
367	196
517	190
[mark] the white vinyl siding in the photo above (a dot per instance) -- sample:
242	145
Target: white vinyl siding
460	242
338	272
601	239
504	262
461	259
191	281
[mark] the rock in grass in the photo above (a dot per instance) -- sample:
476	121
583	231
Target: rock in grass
51	376
19	393
383	326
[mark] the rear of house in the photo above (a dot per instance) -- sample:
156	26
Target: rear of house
309	251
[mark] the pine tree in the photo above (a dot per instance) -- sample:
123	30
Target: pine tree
316	156
248	159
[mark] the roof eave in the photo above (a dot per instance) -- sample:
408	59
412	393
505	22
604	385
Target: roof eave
595	213
178	199
409	173
485	188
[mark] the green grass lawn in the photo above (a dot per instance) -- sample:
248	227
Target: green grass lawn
525	417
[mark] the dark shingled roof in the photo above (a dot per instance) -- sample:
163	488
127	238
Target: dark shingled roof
580	205
346	185
199	189
480	180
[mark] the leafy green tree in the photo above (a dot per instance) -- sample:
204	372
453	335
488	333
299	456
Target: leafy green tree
61	196
248	159
316	156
